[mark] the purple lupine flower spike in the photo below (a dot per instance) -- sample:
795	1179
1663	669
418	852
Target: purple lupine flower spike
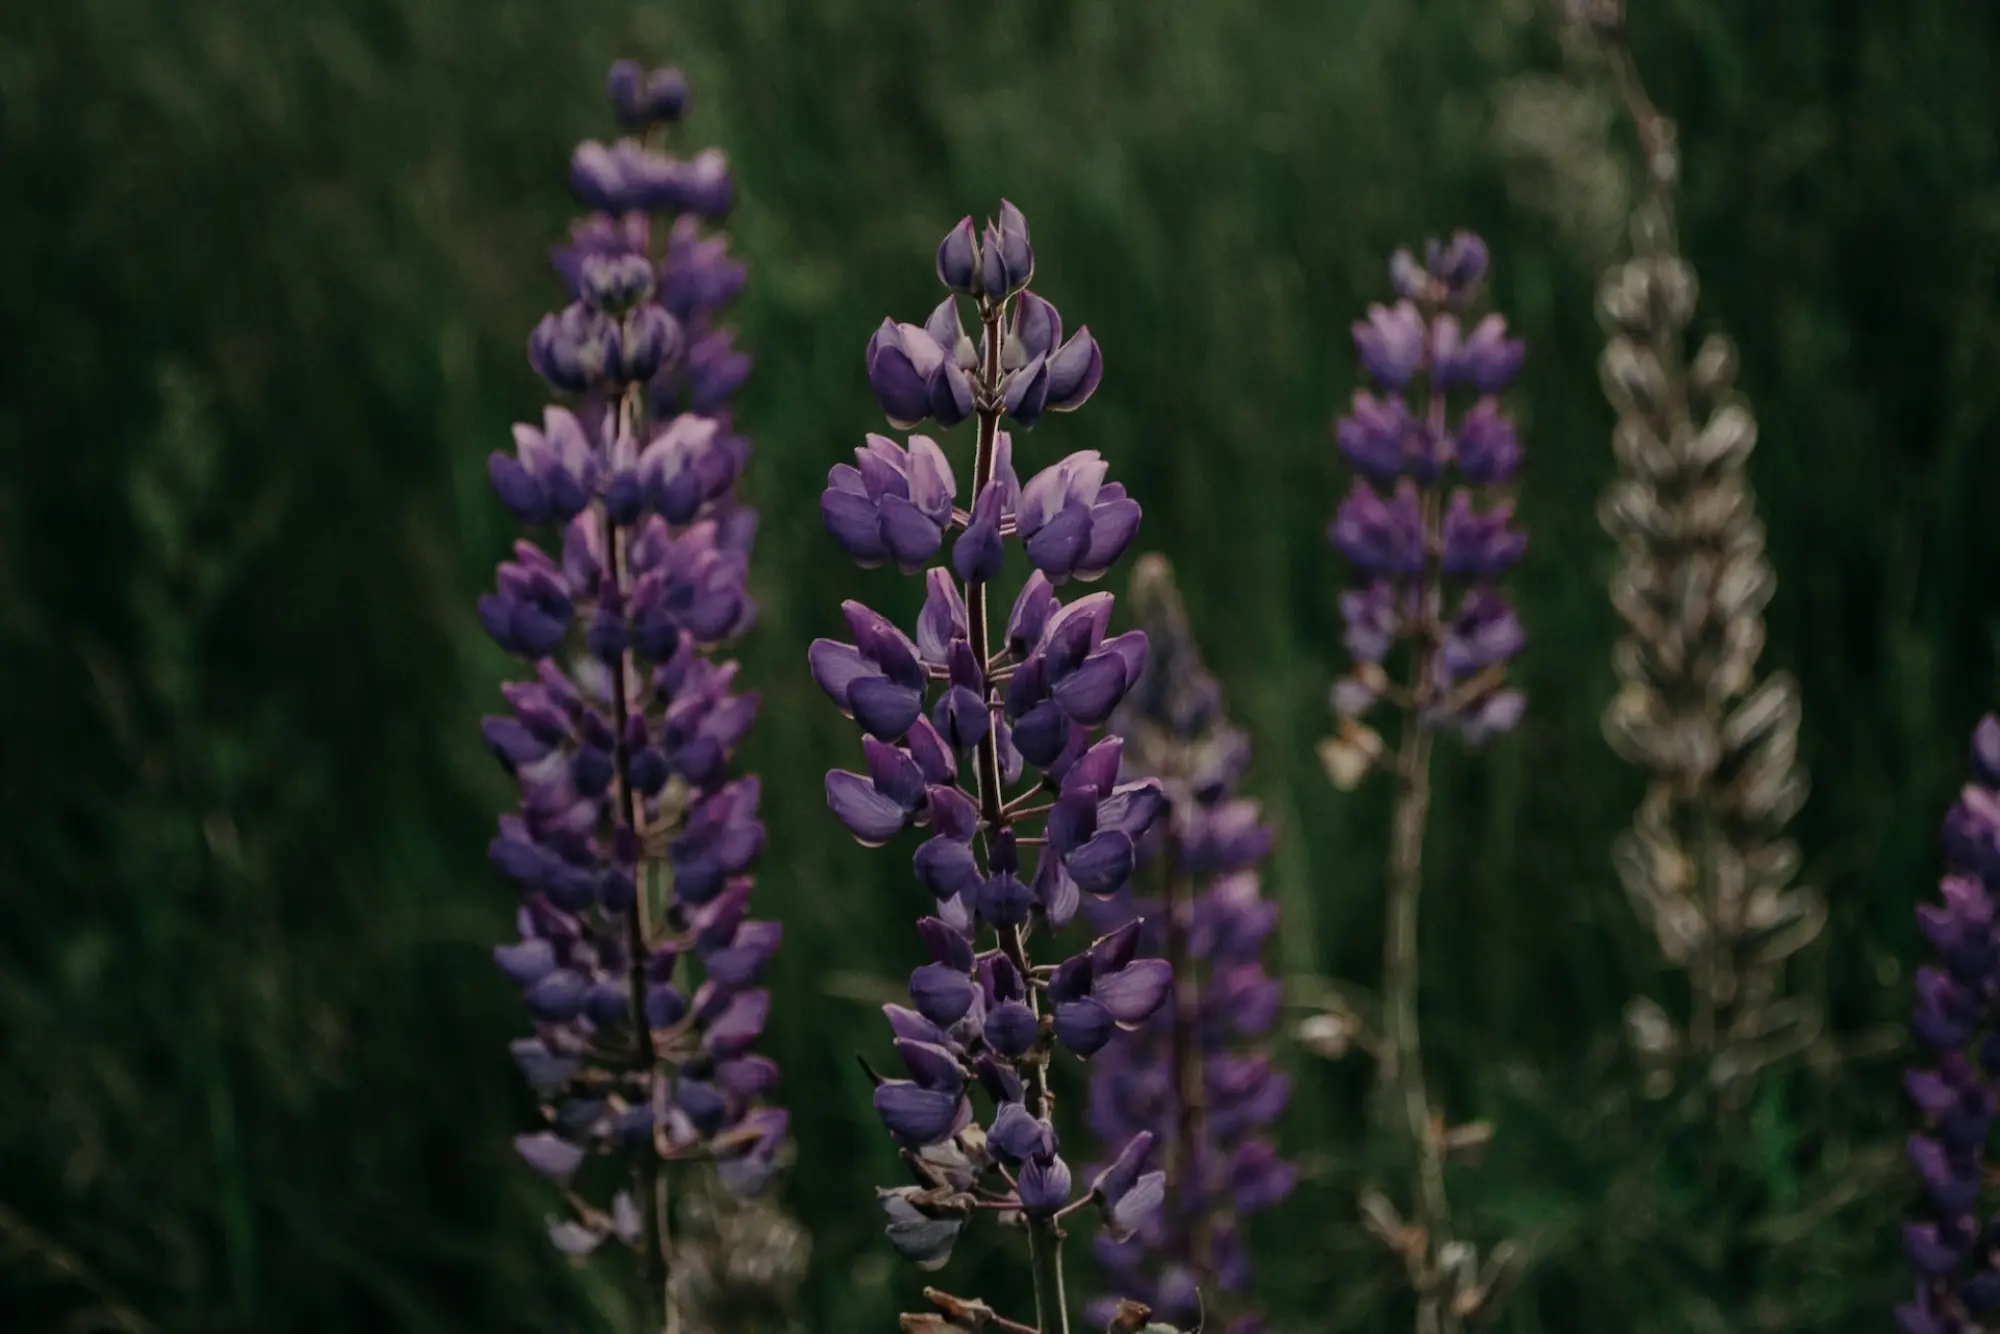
645	999
1424	550
984	743
1953	1248
1428	554
1193	1084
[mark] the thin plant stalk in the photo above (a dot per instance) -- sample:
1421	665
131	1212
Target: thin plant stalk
1044	1234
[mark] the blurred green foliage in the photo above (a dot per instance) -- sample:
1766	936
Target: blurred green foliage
265	273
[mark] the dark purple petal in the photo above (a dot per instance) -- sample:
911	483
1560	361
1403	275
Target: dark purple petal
958	259
945	944
1132	993
1017	1136
941	993
1035	332
931	1065
1103	863
907	1023
1010	1028
911	536
952	813
894	774
1025	392
1004	900
1074	372
919	1116
870	816
1054	890
978	554
1091	692
950	394
553	1158
1083	1026
1044	1185
883	708
1058	546
942	620
836	666
1113	525
901	391
527	962
947	867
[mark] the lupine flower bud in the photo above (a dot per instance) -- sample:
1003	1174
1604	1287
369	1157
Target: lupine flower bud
1391	342
640	97
958	262
620	742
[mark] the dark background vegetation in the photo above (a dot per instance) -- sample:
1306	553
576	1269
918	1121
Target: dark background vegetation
265	273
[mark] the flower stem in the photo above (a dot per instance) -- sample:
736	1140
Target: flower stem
1401	1071
649	1173
1184	1154
1044	1234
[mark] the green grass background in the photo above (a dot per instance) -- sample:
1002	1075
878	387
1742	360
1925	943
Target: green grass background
265	273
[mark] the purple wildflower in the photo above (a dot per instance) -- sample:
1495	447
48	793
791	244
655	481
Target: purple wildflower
963	732
1428	556
1195	1077
645	1000
1427	560
1956	1256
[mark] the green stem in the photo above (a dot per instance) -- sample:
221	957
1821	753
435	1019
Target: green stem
649	1173
1184	1154
1045	1235
1401	1071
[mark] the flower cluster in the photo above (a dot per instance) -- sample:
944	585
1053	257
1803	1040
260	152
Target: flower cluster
1428	561
642	987
1194	1077
1705	863
973	739
1956	1255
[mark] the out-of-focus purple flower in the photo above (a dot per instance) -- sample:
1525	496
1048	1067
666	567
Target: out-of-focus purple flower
1190	1090
1952	1250
641	96
626	177
1486	358
1390	343
1477	545
644	1012
1379	436
1427	555
1450	273
1485	447
1382	537
962	730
